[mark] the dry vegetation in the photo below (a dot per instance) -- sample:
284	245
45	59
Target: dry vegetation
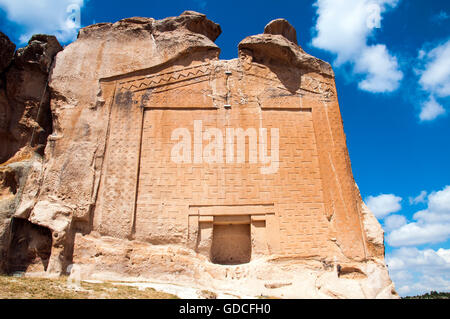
431	295
38	288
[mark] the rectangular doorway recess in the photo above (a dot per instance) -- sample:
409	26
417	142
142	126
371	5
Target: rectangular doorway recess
231	244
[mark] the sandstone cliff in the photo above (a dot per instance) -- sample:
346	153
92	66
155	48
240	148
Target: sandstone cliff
106	198
25	123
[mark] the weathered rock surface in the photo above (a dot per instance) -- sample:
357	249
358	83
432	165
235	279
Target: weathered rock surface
25	123
112	198
24	98
107	258
7	49
281	27
14	177
278	50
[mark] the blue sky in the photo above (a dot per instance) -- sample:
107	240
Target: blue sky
392	65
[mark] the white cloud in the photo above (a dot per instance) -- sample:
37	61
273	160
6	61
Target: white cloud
384	204
404	258
419	233
441	16
394	222
440	201
55	17
344	27
417	271
431	110
421	54
435	80
431	225
421	198
381	68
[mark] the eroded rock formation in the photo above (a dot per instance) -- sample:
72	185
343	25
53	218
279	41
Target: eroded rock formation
25	123
139	180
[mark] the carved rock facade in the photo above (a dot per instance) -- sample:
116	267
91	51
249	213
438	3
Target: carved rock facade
278	215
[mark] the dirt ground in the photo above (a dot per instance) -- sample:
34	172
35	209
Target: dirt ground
37	288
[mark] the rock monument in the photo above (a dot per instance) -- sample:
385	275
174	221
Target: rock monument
164	163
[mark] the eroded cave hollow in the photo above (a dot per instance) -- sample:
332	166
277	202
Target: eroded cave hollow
30	246
231	244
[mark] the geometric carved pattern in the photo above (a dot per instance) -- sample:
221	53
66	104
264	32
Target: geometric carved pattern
117	192
166	189
162	79
152	194
308	83
316	86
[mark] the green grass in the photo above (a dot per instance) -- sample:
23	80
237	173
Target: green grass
39	288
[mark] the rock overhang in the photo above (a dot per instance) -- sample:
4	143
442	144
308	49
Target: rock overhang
278	42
